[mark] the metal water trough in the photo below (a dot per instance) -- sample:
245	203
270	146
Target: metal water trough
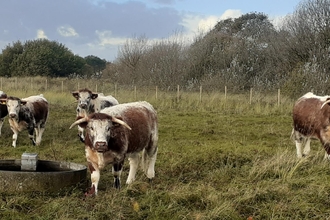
33	175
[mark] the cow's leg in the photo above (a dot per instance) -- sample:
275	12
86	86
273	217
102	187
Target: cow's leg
325	140
149	160
1	123
133	166
39	131
299	140
307	147
95	178
116	171
31	131
327	151
14	137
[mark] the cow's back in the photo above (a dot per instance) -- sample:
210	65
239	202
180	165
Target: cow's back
308	117
142	118
40	110
38	106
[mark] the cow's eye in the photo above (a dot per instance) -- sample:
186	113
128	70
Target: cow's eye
91	128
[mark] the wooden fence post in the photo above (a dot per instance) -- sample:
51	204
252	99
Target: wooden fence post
251	96
62	86
178	93
115	89
156	92
134	93
225	93
278	97
200	93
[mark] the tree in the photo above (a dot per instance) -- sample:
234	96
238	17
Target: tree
236	52
9	56
96	64
39	58
308	31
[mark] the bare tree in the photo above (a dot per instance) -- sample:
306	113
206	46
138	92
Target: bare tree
309	46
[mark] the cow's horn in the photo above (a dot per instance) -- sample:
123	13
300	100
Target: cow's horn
326	102
78	122
121	122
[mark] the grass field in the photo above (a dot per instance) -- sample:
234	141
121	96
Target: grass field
219	159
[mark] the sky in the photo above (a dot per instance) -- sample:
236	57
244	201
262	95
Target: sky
100	27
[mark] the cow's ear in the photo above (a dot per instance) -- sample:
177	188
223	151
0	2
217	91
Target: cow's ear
3	101
81	121
23	102
82	124
94	95
75	94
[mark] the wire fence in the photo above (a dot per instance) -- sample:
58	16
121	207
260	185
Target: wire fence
31	85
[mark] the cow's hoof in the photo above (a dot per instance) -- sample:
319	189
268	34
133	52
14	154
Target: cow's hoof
90	192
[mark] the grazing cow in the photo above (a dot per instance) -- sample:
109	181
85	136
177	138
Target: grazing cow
29	113
311	119
120	131
3	110
90	102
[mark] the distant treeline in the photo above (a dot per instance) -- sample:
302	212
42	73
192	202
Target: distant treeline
46	58
241	53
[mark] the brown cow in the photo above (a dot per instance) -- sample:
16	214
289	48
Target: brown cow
311	119
120	131
29	113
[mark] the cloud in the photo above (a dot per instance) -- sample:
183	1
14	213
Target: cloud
196	24
67	31
231	13
41	34
106	38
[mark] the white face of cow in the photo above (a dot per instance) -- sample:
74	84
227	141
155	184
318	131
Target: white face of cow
85	99
99	133
13	107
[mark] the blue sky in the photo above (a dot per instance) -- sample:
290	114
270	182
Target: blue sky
100	27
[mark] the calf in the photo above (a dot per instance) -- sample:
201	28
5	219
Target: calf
29	113
311	119
120	131
3	110
90	102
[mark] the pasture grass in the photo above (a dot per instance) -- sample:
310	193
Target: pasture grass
217	159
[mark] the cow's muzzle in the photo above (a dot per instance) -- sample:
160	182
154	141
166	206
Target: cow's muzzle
83	106
12	115
101	146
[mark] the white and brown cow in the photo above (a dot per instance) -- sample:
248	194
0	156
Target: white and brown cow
311	119
90	102
3	110
29	113
120	131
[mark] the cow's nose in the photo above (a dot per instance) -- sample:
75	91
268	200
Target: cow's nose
101	146
83	106
12	115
